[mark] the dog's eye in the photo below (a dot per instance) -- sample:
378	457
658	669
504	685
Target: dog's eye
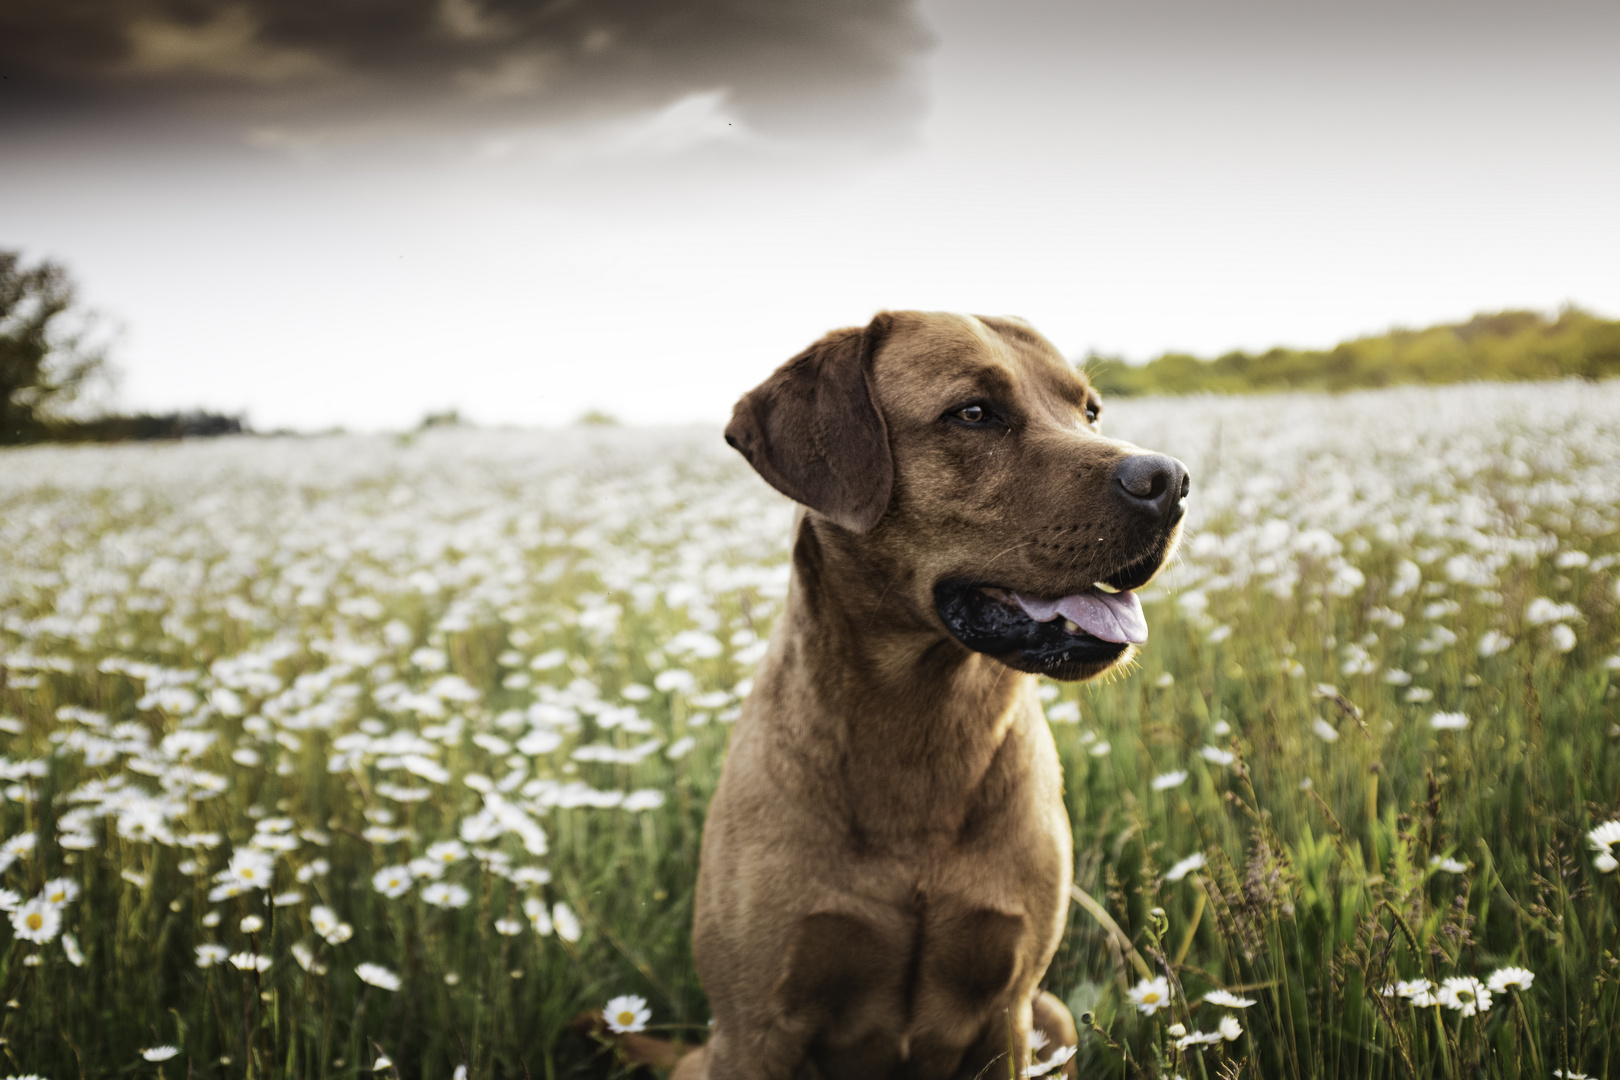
973	416
1091	414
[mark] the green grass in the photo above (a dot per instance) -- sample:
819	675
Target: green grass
306	560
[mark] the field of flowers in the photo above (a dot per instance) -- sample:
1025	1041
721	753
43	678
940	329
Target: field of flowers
335	756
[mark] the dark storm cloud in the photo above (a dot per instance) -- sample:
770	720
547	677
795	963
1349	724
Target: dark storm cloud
788	64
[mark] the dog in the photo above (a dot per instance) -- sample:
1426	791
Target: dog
886	863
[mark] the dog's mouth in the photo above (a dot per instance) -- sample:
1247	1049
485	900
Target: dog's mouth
1075	636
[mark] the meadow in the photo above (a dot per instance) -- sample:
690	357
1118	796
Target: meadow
369	755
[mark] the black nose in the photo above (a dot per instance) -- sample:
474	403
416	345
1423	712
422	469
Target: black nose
1154	483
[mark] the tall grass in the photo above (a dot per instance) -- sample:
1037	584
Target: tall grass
340	652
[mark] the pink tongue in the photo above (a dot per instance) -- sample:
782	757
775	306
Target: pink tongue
1109	616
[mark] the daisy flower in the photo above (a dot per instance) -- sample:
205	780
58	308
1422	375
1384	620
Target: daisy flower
160	1053
378	976
392	881
1465	994
1229	1028
247	961
445	895
1603	838
19	846
36	921
1419	992
627	1013
1151	995
1227	999
209	955
566	922
60	891
1448	721
446	852
509	927
1517	978
249	868
327	924
1166	781
1059	1058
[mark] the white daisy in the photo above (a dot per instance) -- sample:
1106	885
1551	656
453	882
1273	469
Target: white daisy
566	922
445	895
1151	995
1419	992
19	846
36	921
60	891
1603	839
1227	999
627	1013
1465	994
1059	1058
1229	1028
392	881
509	927
1517	978
249	868
160	1053
1448	721
1198	1038
209	955
247	961
378	976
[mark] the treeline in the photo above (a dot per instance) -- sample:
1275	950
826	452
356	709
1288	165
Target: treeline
1505	346
133	427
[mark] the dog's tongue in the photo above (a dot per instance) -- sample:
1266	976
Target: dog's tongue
1109	616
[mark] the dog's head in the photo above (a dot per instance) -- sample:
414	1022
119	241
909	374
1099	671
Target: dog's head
962	455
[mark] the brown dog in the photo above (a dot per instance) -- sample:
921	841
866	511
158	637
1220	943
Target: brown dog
886	863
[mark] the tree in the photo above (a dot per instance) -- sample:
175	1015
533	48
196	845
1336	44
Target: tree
44	360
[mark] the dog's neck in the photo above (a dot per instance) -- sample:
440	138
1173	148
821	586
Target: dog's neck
908	721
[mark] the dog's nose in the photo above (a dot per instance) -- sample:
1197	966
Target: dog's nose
1155	483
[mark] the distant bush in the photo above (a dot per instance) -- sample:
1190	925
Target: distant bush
1500	347
140	426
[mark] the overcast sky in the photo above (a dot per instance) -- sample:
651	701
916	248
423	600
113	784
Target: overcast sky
346	212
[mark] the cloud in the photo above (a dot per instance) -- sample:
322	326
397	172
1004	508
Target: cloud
227	46
786	66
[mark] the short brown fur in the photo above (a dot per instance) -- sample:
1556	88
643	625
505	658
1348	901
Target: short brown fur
886	863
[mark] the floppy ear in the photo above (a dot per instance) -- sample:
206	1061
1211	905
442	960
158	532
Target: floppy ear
813	432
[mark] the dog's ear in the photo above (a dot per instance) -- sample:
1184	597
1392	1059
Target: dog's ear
814	433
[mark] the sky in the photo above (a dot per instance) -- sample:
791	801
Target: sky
353	213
